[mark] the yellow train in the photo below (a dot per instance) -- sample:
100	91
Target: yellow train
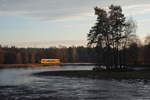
49	61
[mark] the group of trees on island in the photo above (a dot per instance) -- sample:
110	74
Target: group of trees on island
111	35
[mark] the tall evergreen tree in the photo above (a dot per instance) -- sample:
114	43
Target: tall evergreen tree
107	35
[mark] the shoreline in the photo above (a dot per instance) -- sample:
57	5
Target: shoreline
143	74
2	66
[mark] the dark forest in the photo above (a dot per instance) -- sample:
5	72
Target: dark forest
135	54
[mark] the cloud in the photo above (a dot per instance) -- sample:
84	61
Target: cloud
60	9
45	9
137	9
46	44
145	20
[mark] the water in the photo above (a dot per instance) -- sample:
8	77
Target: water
20	84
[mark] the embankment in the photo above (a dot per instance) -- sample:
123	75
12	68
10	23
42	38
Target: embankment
43	65
143	74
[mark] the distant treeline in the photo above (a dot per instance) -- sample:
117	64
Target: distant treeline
134	54
13	55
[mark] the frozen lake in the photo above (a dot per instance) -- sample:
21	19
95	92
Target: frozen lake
20	84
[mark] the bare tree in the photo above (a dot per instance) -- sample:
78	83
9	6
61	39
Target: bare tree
18	58
147	40
1	56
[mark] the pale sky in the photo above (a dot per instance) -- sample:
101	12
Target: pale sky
45	23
